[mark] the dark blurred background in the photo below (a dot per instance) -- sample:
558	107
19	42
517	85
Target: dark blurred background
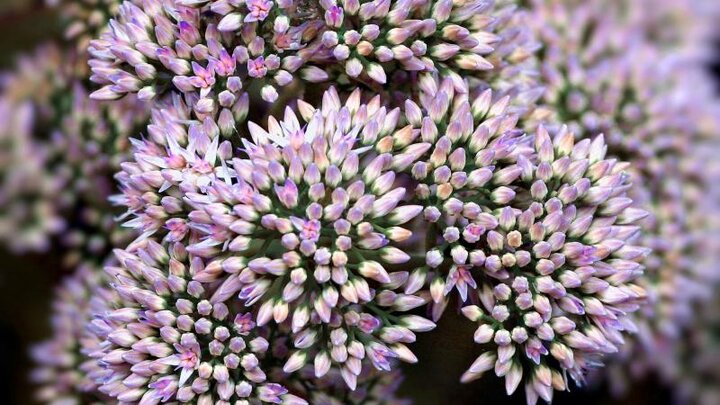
26	290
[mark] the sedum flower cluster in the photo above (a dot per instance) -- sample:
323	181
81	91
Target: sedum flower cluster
63	373
651	118
62	150
172	337
269	201
217	52
28	214
536	230
306	223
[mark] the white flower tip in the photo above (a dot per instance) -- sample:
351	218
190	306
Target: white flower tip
472	312
469	376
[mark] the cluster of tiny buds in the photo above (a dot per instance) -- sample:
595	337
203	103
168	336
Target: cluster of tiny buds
283	260
171	339
212	51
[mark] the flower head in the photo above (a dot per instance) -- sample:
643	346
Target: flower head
538	231
634	79
63	372
681	271
28	217
171	338
213	51
179	155
61	153
312	223
188	46
603	77
559	269
682	27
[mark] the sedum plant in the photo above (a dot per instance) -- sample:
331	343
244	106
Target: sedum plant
262	201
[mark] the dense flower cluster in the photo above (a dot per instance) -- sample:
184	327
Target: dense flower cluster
694	367
540	232
651	119
179	154
62	150
27	214
583	208
306	180
681	27
310	238
327	236
214	51
594	85
64	373
574	283
84	152
172	337
461	180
